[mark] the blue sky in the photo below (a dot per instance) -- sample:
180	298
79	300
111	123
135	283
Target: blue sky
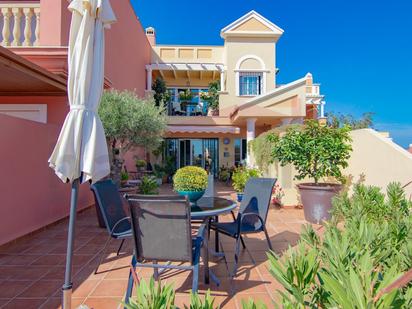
359	50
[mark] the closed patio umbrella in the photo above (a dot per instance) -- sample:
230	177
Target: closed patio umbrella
81	153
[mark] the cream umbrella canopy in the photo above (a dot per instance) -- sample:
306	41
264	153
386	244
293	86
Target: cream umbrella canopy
81	153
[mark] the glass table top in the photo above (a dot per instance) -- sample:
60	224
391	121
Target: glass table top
212	206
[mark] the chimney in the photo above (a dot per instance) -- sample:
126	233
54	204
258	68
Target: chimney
151	35
410	148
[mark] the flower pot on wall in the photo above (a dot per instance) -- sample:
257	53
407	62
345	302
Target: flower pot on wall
317	200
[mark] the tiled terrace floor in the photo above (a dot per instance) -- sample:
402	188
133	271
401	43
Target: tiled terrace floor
32	268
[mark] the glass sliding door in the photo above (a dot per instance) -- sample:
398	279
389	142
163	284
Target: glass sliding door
198	152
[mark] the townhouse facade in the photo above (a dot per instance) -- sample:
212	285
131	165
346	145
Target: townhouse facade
250	99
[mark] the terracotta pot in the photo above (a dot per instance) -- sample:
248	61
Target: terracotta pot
317	200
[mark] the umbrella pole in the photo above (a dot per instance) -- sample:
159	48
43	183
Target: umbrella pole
68	285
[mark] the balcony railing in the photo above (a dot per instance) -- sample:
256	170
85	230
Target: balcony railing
313	90
20	24
191	108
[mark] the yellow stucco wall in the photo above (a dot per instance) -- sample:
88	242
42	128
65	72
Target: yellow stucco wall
376	157
235	49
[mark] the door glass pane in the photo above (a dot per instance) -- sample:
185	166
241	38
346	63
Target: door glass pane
197	152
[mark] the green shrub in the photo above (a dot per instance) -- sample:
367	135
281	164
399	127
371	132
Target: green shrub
197	303
152	296
124	176
351	265
315	151
156	296
190	178
241	175
148	186
140	163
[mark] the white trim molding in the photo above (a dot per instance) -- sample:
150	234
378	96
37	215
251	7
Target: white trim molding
245	57
229	29
33	112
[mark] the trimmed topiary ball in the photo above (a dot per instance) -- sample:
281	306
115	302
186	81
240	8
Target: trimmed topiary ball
190	178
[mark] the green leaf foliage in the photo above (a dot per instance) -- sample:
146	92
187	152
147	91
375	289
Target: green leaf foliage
148	186
241	175
316	151
152	296
157	296
364	249
131	121
190	178
196	302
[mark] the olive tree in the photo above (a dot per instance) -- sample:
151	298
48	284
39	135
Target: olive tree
130	121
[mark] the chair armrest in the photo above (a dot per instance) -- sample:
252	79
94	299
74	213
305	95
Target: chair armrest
117	223
241	216
201	232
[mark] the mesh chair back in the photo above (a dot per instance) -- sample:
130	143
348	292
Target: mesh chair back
256	199
110	204
161	228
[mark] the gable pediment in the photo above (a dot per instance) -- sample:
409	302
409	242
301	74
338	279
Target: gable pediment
252	24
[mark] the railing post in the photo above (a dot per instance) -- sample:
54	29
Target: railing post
37	31
28	13
6	26
17	26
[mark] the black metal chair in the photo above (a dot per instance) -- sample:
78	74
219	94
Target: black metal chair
110	204
252	214
162	232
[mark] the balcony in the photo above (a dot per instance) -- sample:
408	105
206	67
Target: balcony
192	105
20	24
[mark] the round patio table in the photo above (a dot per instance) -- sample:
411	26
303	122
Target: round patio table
204	209
211	207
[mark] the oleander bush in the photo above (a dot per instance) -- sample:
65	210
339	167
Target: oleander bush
364	249
190	178
157	296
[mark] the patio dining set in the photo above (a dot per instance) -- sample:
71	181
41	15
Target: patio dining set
168	232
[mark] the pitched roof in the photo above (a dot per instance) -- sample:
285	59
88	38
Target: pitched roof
252	23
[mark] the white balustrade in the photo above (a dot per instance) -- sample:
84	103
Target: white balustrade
19	24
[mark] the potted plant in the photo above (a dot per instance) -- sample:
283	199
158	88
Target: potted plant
141	164
148	186
212	98
124	177
185	98
316	151
240	177
190	181
159	173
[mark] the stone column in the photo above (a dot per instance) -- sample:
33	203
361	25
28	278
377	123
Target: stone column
250	136
222	80
149	79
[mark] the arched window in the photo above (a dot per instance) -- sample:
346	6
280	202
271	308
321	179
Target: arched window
250	76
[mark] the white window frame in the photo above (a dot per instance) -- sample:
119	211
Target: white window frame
262	69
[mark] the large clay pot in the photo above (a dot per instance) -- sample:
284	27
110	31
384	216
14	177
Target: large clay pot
317	200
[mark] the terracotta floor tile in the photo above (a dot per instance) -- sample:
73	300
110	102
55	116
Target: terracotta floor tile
107	288
50	260
110	288
10	289
42	288
257	297
103	302
20	303
83	289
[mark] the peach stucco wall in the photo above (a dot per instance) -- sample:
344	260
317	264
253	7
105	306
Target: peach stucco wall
31	195
127	49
